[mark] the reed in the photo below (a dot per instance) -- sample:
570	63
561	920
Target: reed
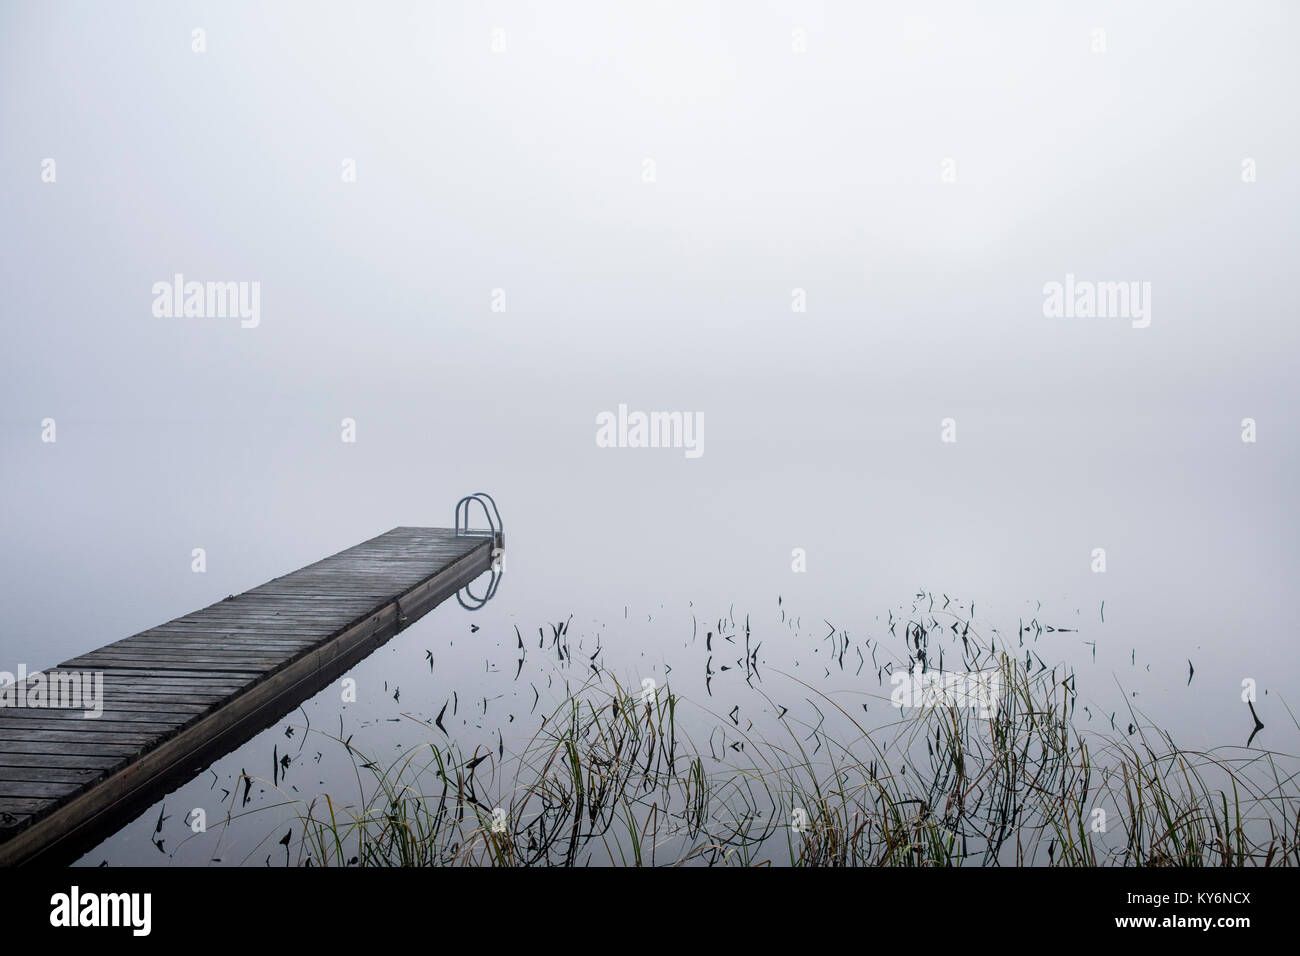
612	779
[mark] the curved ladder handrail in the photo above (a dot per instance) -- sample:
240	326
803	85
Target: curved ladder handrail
495	526
471	601
490	500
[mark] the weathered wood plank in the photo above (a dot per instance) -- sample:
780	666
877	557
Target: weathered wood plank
117	732
140	661
111	745
152	673
72	761
42	789
77	775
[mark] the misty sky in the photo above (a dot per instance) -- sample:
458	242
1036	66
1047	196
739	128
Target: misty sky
523	170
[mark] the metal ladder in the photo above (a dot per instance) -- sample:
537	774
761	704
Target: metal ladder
495	531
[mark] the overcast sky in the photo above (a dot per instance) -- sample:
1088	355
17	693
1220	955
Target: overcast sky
523	169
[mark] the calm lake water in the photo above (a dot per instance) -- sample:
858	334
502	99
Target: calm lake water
641	576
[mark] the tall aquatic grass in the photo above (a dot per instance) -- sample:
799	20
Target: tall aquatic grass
613	779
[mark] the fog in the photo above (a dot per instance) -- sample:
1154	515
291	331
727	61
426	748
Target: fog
506	266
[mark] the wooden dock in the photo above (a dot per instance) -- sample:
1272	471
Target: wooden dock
180	695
